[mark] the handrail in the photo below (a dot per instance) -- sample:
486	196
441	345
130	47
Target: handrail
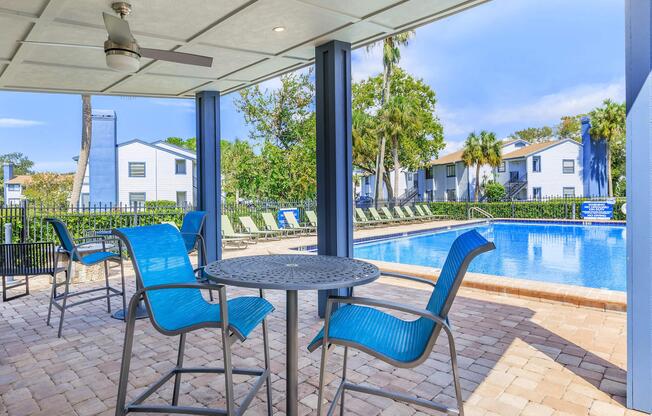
481	211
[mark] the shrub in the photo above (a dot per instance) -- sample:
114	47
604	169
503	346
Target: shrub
494	191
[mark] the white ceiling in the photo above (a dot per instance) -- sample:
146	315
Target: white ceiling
236	33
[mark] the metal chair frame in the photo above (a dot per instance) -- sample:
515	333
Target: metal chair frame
72	257
229	336
439	321
25	259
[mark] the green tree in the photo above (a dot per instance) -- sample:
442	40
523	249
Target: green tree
570	127
482	149
240	169
408	119
534	134
391	57
49	188
608	123
190	143
282	124
494	191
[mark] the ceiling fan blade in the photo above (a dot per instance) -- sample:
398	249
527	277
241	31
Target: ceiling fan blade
65	45
118	29
179	57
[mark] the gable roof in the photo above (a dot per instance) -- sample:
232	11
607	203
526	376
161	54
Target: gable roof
156	145
457	155
20	180
536	148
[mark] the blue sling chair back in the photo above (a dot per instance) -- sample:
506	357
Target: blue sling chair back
358	324
193	223
72	250
173	299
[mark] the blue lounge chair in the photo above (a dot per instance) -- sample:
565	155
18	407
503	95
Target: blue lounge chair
173	299
72	252
358	324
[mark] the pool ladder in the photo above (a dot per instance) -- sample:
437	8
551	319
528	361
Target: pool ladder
480	211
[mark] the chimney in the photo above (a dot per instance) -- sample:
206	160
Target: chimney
8	171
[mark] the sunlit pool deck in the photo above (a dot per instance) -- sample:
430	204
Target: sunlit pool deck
519	355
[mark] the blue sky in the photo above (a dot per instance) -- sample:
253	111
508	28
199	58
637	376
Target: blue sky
502	66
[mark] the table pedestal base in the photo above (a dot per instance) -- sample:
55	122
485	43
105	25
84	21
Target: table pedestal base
292	369
141	312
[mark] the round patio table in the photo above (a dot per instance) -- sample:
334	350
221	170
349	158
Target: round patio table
291	273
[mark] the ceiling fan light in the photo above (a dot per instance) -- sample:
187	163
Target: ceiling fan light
122	61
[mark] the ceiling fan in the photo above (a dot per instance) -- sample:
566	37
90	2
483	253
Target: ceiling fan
123	52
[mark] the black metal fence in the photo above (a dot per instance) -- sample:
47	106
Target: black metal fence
28	219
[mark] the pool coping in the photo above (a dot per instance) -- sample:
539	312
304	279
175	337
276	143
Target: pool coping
580	296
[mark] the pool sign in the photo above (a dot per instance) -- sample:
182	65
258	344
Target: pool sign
281	216
597	210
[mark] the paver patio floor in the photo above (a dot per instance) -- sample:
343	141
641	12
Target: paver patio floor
517	357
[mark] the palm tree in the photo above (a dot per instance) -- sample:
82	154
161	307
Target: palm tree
84	152
608	123
391	57
482	149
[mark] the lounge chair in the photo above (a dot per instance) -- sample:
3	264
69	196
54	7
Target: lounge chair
229	232
389	216
410	215
271	225
253	229
357	323
421	213
294	224
363	218
312	218
426	209
376	216
175	306
401	215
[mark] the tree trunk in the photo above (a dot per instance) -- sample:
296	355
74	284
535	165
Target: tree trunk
610	190
397	166
388	185
476	192
380	160
84	152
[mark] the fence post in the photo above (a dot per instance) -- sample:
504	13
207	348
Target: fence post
8	233
23	220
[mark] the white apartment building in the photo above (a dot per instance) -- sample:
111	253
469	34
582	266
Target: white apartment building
156	171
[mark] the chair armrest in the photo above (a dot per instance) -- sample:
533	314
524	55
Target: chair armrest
353	300
212	286
411	278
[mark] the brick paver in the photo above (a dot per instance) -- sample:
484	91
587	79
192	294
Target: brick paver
517	357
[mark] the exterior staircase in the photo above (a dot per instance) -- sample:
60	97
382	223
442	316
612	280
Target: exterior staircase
407	197
512	188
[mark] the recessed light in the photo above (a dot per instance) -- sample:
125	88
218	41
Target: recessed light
279	29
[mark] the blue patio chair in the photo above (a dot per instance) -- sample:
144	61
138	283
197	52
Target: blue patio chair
73	251
358	324
191	227
175	306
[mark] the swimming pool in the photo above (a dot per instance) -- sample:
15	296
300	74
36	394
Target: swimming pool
584	255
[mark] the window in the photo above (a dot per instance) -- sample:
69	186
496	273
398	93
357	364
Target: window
451	195
502	168
536	164
137	198
536	193
136	169
180	166
569	192
366	180
13	187
429	173
450	171
568	166
409	178
181	198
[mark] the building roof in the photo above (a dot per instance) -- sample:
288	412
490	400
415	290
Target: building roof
183	153
457	155
448	159
20	180
238	34
536	148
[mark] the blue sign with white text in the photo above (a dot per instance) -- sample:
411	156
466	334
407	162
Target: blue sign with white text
597	210
281	217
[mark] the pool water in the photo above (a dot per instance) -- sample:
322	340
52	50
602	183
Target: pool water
584	255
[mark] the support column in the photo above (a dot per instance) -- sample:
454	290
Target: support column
334	160
209	186
638	52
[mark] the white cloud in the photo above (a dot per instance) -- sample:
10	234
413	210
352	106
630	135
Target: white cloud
549	108
18	122
367	63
